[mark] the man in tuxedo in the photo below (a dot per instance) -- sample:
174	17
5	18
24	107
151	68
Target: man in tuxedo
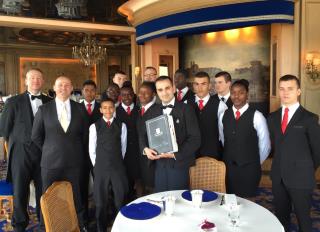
172	169
24	157
208	109
222	84
184	93
295	134
60	130
89	89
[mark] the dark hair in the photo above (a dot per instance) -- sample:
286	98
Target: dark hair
89	82
202	75
127	84
290	77
120	72
150	67
242	82
150	85
106	99
163	78
226	75
113	85
183	72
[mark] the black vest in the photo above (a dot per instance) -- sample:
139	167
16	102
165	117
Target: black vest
208	123
240	138
108	151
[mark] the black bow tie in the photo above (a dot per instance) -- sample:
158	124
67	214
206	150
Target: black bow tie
167	106
35	96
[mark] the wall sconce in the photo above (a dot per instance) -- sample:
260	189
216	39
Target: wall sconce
313	65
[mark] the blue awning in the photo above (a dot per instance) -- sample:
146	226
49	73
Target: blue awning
217	18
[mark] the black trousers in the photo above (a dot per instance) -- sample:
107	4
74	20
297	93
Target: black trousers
72	175
243	180
85	177
170	178
286	198
23	171
102	188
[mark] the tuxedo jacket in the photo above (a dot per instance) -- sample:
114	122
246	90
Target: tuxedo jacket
189	96
187	134
228	103
297	151
61	149
95	115
16	125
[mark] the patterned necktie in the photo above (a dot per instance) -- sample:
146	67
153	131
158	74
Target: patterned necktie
89	108
179	97
142	110
284	122
108	123
237	115
201	104
128	110
64	118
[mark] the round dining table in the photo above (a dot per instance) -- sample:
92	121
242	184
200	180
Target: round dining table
253	217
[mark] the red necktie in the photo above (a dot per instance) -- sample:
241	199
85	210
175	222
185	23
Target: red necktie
128	110
142	111
237	115
284	122
179	97
89	108
108	123
201	104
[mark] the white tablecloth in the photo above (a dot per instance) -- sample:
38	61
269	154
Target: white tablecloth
253	217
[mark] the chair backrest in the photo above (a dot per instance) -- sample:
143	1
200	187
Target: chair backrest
58	208
208	174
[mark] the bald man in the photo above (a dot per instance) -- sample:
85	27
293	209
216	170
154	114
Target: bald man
24	158
60	130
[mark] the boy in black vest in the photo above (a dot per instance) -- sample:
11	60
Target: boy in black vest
208	109
107	146
127	112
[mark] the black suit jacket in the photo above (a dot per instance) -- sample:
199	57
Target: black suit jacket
16	125
187	134
228	103
188	97
61	149
297	151
96	114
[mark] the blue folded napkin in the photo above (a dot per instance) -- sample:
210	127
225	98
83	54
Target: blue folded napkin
140	211
206	197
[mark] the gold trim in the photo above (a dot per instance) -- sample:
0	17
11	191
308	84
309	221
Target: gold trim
214	22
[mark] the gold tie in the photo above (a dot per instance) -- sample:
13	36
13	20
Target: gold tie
64	118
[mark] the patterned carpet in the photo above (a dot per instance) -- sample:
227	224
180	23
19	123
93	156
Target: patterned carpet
264	198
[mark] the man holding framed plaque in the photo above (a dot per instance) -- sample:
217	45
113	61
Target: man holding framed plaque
172	168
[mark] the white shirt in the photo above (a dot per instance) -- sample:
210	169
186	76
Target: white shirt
93	103
125	107
226	97
292	109
221	108
35	103
260	125
183	91
147	106
60	104
93	140
168	109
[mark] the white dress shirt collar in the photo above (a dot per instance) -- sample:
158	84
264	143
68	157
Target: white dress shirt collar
183	91
168	110
241	110
292	109
125	107
205	99
147	106
226	97
110	120
60	104
92	103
